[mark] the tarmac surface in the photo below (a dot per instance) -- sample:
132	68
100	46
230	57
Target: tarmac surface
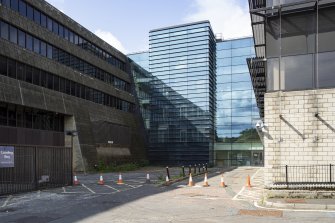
137	201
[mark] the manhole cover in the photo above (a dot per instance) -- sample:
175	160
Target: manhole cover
261	213
297	201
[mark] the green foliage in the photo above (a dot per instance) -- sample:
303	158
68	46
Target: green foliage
123	167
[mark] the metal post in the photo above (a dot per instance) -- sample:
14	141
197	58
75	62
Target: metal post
330	173
286	174
203	168
183	169
35	168
167	172
206	167
199	168
189	169
195	168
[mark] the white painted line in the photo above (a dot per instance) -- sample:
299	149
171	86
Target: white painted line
88	188
6	201
64	189
293	210
238	194
112	188
130	186
136	181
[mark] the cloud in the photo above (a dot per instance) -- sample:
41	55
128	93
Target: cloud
228	17
110	39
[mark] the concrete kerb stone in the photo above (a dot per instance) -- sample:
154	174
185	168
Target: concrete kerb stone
297	206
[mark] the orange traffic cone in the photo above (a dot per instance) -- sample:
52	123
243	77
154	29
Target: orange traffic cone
101	180
205	181
75	181
222	184
248	182
190	181
120	181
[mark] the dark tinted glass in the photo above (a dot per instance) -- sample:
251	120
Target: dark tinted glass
43	49
3	65
29	42
30	12
20	71
11	68
326	70
43	20
29	74
66	33
37	16
14	4
326	30
49	23
298	33
23	8
55	27
297	71
36	45
13	34
36	76
22	38
4	31
272	37
49	51
61	30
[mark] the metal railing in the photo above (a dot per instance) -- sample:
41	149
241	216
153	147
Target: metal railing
37	167
304	175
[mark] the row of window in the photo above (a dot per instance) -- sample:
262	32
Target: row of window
175	31
238	43
36	45
19	116
52	25
20	71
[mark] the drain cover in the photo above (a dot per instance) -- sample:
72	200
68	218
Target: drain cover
261	213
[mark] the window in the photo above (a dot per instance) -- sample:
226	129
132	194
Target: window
30	12
37	16
61	31
22	38
56	83
49	23
66	33
29	42
23	8
326	30
50	81
43	78
3	65
4	31
326	70
55	27
36	76
14	4
13	34
71	37
11	68
37	45
43	49
49	51
43	20
29	74
20	71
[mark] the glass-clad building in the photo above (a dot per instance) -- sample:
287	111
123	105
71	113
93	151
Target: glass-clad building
141	58
237	141
182	60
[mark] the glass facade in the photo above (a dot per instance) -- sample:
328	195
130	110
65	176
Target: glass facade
141	58
182	61
237	141
299	49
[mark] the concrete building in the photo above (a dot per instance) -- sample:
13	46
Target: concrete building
57	76
294	85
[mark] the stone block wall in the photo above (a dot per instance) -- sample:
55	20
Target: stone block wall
299	131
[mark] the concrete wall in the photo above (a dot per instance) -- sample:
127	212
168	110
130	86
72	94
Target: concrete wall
81	113
298	137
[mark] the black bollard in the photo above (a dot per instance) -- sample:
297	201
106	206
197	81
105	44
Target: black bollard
206	167
189	169
195	168
167	172
203	168
183	169
199	168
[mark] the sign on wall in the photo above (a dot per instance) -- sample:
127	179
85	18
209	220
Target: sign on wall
6	156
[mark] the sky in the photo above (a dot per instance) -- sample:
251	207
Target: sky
125	24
